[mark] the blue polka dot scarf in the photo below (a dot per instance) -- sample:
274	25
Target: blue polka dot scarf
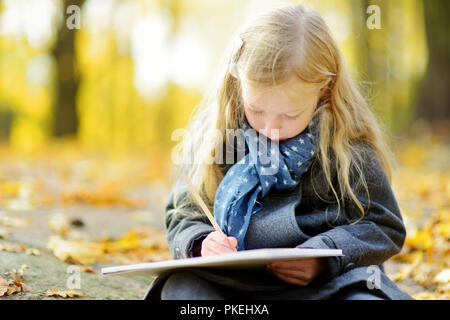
268	164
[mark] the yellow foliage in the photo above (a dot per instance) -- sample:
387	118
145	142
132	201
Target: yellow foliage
10	188
76	251
59	223
27	135
422	189
419	240
135	245
64	293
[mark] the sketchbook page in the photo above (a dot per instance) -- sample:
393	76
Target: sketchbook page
245	259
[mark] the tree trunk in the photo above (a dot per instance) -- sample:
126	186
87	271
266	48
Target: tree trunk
65	113
434	101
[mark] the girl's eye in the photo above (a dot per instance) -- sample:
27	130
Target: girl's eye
292	117
258	113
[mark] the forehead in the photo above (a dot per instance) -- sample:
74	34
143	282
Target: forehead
289	94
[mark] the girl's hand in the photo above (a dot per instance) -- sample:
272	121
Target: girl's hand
218	243
298	272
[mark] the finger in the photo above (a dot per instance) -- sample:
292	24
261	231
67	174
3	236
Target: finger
219	236
222	245
293	281
219	247
291	264
220	239
289	268
232	241
292	273
208	252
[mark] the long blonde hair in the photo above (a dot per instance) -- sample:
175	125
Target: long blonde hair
276	45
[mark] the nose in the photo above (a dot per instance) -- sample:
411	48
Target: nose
273	128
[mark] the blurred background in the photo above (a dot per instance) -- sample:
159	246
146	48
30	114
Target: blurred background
86	118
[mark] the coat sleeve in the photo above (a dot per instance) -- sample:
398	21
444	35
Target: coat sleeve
184	232
376	237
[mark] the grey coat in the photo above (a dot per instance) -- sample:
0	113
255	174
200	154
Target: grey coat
308	216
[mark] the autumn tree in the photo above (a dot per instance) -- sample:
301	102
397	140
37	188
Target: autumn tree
65	114
434	102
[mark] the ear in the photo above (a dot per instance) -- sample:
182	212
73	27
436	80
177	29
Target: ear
325	86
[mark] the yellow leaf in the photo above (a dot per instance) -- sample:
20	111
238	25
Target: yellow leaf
421	239
64	294
14	221
10	287
442	277
4	233
59	223
444	229
76	251
3	286
32	251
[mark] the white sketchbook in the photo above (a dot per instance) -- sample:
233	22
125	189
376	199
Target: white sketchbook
245	259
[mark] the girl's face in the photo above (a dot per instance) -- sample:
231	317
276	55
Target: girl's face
288	107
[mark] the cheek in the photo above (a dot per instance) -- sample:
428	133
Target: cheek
293	128
256	122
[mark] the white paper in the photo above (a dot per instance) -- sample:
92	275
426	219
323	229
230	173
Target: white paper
245	259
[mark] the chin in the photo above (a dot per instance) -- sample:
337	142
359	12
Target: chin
287	138
278	140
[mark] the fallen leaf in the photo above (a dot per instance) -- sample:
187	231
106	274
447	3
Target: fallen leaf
442	277
76	251
64	293
13	286
59	223
4	233
14	221
107	195
32	251
3	286
11	247
17	247
22	270
86	269
78	235
427	295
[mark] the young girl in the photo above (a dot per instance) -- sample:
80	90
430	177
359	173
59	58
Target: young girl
286	80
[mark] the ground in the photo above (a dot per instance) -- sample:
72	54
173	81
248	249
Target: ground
48	272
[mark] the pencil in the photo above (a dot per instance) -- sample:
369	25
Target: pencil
201	203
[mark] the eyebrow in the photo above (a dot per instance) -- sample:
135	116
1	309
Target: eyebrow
291	111
252	106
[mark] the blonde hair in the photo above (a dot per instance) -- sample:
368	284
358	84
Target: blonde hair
276	45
